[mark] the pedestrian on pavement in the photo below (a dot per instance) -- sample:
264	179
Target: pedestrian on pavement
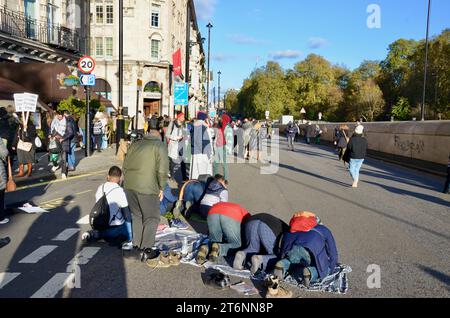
216	191
356	153
13	128
175	136
247	129
73	144
120	227
318	134
57	131
220	153
263	232
26	149
255	136
447	182
230	139
310	132
201	147
310	246
291	132
225	224
342	141
98	132
3	180
146	169
66	143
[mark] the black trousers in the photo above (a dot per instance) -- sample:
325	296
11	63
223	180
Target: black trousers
145	217
98	142
2	205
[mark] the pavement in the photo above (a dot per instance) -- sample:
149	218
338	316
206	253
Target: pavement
397	220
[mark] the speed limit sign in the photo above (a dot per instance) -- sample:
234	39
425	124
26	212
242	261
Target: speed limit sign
86	64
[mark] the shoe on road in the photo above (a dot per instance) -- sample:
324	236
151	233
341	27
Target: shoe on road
127	246
277	291
4	221
162	261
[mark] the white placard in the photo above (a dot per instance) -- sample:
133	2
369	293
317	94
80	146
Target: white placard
18	102
30	102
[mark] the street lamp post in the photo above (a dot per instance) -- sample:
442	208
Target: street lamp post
426	62
219	73
209	26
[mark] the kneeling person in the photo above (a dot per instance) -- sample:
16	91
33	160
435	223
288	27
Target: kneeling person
120	216
225	222
263	233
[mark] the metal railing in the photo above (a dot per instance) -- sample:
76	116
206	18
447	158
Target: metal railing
18	25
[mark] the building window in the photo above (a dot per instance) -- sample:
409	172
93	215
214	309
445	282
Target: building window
109	14
155	50
155	16
99	14
108	47
99	47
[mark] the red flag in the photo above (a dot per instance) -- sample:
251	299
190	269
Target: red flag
177	70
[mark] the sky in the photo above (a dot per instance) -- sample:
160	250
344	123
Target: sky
248	33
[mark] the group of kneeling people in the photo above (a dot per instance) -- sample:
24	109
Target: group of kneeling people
305	249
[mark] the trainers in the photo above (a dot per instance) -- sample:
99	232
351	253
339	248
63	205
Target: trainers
306	277
276	291
162	261
239	261
178	224
257	262
4	221
214	255
127	246
200	259
63	176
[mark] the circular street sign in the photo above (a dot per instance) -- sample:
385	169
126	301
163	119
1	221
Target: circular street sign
86	64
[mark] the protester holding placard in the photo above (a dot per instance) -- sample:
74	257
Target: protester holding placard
26	149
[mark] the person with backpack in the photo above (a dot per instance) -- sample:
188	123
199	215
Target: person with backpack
111	218
3	179
98	133
310	246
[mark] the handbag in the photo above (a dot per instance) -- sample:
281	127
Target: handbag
10	185
24	146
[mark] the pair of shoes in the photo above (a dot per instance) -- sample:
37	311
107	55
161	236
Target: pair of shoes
239	260
276	291
257	262
127	246
162	261
63	176
214	255
90	236
200	259
178	224
4	221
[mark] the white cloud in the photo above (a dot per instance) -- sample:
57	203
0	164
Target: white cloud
287	54
205	9
246	40
316	43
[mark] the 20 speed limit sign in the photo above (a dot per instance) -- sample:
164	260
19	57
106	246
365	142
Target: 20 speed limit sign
86	64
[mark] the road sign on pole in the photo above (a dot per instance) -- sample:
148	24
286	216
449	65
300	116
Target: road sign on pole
87	80
86	64
181	94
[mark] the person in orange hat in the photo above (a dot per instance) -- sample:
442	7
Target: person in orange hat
308	250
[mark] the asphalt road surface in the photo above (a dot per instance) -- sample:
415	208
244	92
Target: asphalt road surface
397	220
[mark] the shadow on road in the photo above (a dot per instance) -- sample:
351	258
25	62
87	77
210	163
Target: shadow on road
444	278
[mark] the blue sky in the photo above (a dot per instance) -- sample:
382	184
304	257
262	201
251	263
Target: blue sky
248	33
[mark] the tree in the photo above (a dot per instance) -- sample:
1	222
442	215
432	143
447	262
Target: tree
74	106
401	110
231	101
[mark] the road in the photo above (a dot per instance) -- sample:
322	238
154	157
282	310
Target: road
397	219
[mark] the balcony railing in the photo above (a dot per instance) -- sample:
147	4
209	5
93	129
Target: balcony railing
18	25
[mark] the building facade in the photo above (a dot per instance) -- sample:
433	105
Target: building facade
153	31
47	31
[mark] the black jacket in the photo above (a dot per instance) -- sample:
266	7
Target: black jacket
357	147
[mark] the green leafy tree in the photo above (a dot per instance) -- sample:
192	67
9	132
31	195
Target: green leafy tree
74	106
231	101
401	110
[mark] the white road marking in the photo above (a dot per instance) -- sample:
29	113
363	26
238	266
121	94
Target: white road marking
66	234
38	254
6	278
84	220
84	256
54	285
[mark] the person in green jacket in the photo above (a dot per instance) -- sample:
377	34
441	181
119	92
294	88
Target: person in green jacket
146	169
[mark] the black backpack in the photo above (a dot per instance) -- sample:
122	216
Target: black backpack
100	213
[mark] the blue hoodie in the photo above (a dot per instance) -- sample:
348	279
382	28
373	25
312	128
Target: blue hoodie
215	193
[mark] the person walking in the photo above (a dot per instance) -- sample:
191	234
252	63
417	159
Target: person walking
98	133
26	150
71	160
291	132
247	129
146	169
57	131
310	132
356	153
3	180
220	158
342	141
66	143
201	148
